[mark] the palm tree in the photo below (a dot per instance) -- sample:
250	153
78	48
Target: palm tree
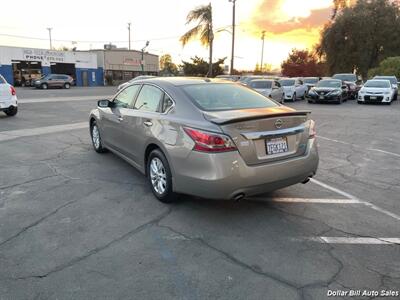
203	30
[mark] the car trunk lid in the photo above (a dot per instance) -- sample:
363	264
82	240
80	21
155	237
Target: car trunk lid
266	134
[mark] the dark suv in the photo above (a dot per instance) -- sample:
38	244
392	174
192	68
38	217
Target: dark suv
54	80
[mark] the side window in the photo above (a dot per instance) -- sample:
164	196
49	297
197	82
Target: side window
277	84
300	82
125	98
149	99
167	103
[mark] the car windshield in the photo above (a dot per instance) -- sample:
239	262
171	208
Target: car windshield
261	84
287	82
377	84
225	96
345	77
329	84
310	80
393	80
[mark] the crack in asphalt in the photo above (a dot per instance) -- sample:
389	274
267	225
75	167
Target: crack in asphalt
37	222
26	182
96	250
235	260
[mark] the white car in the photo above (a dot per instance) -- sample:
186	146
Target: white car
376	91
269	88
294	88
8	98
393	80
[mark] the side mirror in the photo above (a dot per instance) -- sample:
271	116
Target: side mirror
104	103
344	87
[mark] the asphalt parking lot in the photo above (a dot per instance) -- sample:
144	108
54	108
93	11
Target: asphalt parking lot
75	224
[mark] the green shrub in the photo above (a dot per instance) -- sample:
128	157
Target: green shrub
389	67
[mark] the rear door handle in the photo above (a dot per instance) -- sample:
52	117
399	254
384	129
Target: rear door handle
148	123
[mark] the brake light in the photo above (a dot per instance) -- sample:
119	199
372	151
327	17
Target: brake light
312	132
209	141
13	91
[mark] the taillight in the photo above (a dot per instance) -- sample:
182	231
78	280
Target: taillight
13	91
209	141
312	132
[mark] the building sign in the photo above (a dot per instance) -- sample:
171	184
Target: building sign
45	56
132	61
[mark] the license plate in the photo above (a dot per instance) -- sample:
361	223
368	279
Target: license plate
373	98
321	97
276	146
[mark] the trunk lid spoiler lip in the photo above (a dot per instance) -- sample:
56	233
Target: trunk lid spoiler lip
220	121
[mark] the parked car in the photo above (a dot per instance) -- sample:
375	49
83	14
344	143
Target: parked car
376	91
294	88
8	98
310	81
352	90
245	80
26	77
206	137
141	77
269	88
350	77
54	81
328	90
394	82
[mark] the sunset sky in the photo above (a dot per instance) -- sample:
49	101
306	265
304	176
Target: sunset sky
288	24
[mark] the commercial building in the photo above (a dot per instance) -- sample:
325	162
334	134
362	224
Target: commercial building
20	66
121	65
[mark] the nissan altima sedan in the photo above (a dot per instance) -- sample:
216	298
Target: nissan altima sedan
208	138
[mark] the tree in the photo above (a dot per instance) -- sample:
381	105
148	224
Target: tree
361	36
167	67
301	63
203	30
199	67
389	67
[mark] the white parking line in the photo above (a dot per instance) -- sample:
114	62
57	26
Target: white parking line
64	99
311	200
357	146
14	134
355	240
351	197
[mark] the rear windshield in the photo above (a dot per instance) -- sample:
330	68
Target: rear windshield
330	83
310	80
345	77
261	84
393	80
377	84
225	96
287	82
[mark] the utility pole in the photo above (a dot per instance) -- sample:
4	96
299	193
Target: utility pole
129	37
233	33
147	43
262	50
49	29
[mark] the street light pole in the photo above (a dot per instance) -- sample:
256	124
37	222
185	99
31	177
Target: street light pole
142	62
49	29
233	33
129	37
262	50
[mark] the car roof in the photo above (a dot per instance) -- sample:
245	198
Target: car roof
180	81
379	80
263	79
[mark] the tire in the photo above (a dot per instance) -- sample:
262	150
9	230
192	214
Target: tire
311	102
44	86
359	102
340	101
96	138
11	111
160	177
67	85
294	97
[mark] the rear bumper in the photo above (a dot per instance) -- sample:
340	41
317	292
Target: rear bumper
226	175
5	104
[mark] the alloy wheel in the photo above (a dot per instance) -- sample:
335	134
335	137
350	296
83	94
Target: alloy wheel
158	175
